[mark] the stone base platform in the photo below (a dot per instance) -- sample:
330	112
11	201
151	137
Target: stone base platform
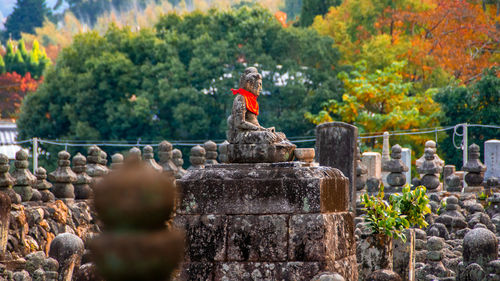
260	153
278	221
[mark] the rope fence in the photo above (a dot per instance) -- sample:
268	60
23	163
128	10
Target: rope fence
300	139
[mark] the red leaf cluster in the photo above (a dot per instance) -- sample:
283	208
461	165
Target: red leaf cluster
13	88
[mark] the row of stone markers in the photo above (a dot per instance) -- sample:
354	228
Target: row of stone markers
68	183
393	170
461	240
39	210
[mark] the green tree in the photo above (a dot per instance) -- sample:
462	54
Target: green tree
27	15
2	65
37	60
292	8
477	103
380	101
312	8
14	61
174	82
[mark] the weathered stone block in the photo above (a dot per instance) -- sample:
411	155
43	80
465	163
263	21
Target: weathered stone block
267	271
321	237
257	238
196	200
205	237
281	188
196	271
347	267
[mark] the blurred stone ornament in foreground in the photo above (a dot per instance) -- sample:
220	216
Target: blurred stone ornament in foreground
134	204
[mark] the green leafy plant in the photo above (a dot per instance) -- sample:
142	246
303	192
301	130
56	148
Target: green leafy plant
442	207
483	196
382	217
402	211
413	205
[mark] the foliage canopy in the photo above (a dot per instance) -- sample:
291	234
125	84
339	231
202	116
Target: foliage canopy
380	101
27	15
476	103
174	82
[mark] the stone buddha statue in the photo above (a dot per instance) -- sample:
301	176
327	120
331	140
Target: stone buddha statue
249	142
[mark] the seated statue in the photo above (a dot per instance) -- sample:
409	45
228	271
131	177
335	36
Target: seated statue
248	140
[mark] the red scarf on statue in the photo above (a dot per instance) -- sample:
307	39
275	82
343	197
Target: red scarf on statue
250	100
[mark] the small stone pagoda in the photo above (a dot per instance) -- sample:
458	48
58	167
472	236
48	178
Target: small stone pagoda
261	214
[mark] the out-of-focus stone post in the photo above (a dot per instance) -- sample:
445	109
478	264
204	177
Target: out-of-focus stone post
134	203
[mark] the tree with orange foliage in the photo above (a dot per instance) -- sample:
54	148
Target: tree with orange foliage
13	88
460	36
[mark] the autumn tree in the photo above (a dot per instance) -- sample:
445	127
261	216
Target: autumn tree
13	88
462	37
380	101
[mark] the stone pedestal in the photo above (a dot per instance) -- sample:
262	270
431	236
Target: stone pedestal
277	221
336	146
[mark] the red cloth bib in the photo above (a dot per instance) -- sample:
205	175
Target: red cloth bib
250	100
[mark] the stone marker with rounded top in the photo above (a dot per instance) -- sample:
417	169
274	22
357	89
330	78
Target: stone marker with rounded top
63	178
165	149
197	157
211	149
24	178
431	170
475	170
116	161
83	181
43	186
178	161
149	159
7	181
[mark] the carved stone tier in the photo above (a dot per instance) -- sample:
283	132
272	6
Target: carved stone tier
283	221
260	153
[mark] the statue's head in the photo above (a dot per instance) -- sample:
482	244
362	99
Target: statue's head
247	71
252	82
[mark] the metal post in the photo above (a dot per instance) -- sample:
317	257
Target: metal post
465	144
35	154
465	149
